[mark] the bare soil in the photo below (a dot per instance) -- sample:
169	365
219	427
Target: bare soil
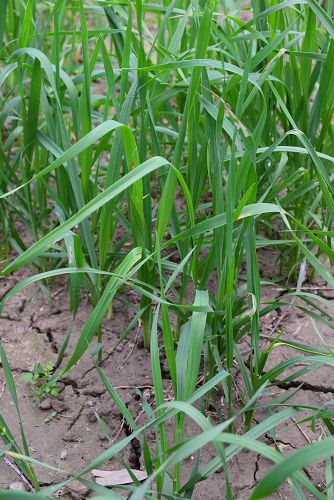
33	327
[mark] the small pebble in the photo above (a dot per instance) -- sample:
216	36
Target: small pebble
17	486
63	455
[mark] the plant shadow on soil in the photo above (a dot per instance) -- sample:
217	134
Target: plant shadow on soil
33	328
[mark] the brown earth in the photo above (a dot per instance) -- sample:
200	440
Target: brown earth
33	327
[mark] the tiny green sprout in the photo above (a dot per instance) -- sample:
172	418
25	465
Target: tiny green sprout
48	370
48	419
39	379
27	377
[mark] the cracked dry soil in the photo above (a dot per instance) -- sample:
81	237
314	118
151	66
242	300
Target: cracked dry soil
33	328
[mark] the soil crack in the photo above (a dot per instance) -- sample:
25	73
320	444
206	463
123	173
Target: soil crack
135	453
75	418
256	470
304	386
280	441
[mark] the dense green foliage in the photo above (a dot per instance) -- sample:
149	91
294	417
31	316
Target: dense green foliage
157	146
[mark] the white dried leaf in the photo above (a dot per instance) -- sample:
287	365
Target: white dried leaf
115	477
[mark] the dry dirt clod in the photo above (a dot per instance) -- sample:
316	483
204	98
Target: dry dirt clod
46	404
67	393
58	406
90	416
17	486
103	408
82	383
102	436
71	379
63	455
71	437
77	490
127	397
96	391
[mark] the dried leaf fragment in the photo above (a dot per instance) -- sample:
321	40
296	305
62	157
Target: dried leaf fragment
115	477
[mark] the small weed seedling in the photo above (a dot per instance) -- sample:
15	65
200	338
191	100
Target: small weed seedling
40	379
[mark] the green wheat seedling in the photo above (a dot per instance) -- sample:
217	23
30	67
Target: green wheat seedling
160	147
